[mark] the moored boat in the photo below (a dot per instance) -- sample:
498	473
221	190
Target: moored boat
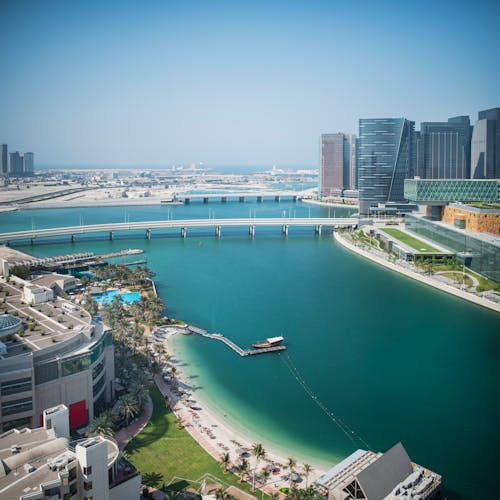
270	342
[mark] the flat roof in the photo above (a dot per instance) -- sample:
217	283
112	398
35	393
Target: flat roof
53	323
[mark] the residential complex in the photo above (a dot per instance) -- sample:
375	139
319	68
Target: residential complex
44	462
51	353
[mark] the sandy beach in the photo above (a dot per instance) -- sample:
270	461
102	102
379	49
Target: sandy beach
216	435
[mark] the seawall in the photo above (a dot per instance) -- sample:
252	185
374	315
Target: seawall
481	301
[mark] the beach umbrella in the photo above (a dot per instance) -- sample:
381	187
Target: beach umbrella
295	477
240	451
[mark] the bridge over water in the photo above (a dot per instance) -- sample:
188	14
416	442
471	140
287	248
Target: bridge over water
149	226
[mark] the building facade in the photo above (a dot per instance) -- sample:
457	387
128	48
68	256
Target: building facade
472	218
385	160
485	149
4	160
16	166
337	163
29	164
443	149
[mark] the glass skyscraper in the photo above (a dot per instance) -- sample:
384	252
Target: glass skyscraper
443	149
486	145
385	160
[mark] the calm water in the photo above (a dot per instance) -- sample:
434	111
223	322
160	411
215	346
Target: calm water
355	332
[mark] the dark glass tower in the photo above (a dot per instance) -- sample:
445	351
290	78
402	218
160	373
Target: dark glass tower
443	149
493	117
385	160
4	167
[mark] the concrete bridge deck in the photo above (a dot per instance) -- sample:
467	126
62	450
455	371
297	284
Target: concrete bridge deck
183	225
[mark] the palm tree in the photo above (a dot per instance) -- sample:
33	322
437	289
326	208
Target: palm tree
307	470
291	464
226	461
128	407
101	426
221	494
258	452
243	468
173	373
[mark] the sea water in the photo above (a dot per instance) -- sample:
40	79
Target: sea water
372	357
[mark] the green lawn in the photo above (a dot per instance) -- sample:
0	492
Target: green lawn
409	240
162	451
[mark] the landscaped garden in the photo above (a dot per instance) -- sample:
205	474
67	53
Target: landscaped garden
165	453
409	240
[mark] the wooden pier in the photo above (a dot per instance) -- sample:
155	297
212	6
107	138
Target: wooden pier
236	348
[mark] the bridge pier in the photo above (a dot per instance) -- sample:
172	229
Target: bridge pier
111	236
183	232
259	199
217	231
284	230
317	229
205	199
187	201
294	198
148	234
72	238
223	199
277	198
251	231
241	199
32	241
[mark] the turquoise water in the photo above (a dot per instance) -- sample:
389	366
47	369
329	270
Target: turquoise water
393	359
108	296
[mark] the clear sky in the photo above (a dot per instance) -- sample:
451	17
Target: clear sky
152	83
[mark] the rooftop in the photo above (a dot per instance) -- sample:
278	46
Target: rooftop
44	324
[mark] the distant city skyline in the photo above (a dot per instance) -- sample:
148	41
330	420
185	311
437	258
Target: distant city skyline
125	84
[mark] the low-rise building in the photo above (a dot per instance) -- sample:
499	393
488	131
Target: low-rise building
45	463
36	294
59	356
480	218
376	476
57	282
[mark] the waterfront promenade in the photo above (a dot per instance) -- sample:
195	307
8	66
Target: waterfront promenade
440	285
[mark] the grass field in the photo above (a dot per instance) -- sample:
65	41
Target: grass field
162	452
412	242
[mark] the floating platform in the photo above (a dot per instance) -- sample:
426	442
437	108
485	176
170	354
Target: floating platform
236	348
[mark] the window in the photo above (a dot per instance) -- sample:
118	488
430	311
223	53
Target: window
87	470
98	386
87	485
75	365
97	369
17	406
16	386
46	372
17	423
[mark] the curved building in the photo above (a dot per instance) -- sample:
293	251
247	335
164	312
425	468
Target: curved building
60	357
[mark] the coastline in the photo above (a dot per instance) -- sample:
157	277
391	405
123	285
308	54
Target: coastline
481	301
226	432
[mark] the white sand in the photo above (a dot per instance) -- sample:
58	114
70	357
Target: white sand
203	423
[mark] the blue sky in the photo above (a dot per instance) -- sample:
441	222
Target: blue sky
152	83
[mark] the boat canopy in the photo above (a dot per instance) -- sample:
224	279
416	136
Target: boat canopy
274	339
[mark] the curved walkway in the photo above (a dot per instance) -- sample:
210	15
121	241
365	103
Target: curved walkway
481	301
123	436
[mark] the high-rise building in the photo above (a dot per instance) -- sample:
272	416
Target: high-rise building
338	163
16	164
490	133
4	159
385	160
443	149
483	150
28	164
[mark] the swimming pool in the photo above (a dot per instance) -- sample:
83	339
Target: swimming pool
108	296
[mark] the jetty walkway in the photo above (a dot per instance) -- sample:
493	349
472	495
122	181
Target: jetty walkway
236	348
